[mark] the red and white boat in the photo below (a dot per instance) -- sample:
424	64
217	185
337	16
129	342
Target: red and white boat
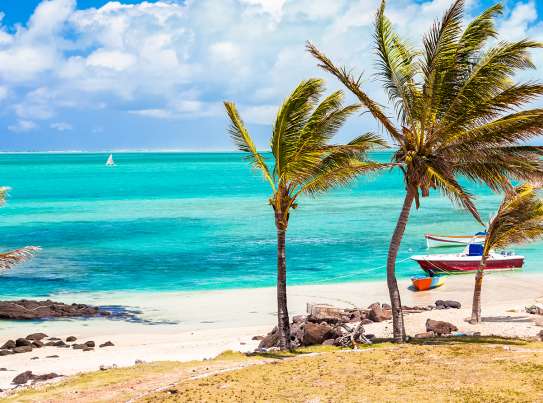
452	240
468	261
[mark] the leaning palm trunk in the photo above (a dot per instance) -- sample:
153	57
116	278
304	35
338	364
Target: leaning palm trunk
282	308
476	306
395	300
11	258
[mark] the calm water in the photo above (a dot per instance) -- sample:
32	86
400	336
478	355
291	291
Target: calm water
186	221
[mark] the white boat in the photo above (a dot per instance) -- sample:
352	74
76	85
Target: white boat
467	261
451	240
110	161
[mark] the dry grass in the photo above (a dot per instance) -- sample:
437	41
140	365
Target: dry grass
446	370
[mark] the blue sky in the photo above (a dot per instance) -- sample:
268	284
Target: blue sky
100	75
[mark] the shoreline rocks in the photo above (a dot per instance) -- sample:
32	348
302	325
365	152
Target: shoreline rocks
30	310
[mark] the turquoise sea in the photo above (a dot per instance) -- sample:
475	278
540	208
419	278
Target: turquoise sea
190	221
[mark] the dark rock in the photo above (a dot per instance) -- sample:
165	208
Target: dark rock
44	377
36	336
440	304
90	343
378	314
30	309
52	356
107	344
386	306
35	358
540	335
366	321
534	310
453	304
22	342
23	378
3	369
297	331
9	344
439	327
298	319
71	339
53	338
78	346
317	333
88	349
270	340
254	338
424	335
37	344
22	349
329	342
5	352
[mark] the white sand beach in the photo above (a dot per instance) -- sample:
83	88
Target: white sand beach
195	325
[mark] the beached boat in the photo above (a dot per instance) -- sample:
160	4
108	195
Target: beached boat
423	283
467	261
452	240
110	161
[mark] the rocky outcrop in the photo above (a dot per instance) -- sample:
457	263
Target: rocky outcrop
534	310
29	310
447	304
36	336
440	328
28	376
378	314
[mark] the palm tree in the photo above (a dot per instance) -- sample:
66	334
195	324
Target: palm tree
519	219
11	258
304	162
458	113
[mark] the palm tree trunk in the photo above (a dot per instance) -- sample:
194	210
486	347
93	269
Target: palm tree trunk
476	306
283	324
398	327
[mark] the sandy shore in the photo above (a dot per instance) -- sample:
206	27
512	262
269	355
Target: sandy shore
196	325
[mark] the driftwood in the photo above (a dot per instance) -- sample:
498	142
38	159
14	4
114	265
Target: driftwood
352	336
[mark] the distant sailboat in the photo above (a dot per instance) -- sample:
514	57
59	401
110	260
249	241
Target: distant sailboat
110	161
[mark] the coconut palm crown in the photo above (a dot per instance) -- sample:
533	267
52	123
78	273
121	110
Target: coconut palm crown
458	113
304	161
519	220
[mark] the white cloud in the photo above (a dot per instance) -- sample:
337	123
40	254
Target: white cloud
173	59
61	126
22	126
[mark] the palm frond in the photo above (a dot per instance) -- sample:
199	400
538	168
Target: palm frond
292	117
396	67
245	143
355	86
519	219
3	194
14	257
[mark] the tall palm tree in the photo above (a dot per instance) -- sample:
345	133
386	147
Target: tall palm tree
519	219
458	113
11	258
304	162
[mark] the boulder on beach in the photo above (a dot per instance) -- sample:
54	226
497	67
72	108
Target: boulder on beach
71	339
440	304
378	314
6	352
440	327
22	342
90	343
36	336
317	333
9	344
25	377
107	344
22	349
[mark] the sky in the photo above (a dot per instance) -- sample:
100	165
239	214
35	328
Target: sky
152	75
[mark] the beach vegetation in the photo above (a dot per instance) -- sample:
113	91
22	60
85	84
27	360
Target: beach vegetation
460	113
304	162
519	220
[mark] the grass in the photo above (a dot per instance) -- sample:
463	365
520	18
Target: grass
440	370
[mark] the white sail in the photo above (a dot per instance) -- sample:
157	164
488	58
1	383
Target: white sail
110	161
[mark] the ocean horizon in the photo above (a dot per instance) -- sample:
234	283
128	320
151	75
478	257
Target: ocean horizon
185	221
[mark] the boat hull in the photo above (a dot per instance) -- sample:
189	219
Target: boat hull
453	266
427	283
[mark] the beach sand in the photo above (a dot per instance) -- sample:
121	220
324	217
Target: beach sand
195	325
